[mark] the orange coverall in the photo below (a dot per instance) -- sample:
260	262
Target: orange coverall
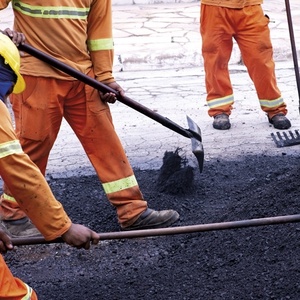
79	35
33	195
243	20
12	287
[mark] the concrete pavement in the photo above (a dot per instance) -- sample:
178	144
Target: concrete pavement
159	64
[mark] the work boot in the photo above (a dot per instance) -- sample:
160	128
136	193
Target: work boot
221	122
280	121
154	219
20	228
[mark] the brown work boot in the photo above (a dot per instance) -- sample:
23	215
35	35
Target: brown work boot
221	122
20	228
154	219
280	121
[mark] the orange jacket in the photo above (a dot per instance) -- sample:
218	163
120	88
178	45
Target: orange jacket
231	3
27	183
77	32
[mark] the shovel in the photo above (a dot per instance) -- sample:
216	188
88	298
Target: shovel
193	132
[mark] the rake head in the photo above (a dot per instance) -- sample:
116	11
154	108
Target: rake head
284	139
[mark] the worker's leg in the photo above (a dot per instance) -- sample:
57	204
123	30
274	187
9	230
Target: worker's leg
91	120
216	50
253	38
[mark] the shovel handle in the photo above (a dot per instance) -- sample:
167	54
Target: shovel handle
106	89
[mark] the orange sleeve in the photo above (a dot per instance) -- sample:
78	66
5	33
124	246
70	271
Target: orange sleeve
28	185
12	287
100	39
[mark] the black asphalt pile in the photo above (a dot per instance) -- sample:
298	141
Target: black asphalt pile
247	263
175	177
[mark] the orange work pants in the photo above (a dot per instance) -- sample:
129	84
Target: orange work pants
12	288
38	115
249	27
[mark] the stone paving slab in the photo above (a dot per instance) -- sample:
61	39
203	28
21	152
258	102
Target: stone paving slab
167	35
161	67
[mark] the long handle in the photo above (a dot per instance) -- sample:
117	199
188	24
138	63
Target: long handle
293	45
172	230
104	88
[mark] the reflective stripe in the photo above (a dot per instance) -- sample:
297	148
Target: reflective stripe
51	12
227	100
120	185
271	103
8	198
101	44
29	293
9	148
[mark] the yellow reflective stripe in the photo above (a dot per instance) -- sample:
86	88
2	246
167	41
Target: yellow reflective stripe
271	103
51	12
9	148
29	293
8	198
100	44
227	100
120	185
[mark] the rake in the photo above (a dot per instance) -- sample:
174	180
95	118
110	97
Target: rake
285	139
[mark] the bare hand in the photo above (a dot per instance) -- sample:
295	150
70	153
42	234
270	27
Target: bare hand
17	37
5	242
111	97
79	236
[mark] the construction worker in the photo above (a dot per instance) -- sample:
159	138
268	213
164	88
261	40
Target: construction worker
25	180
243	20
79	35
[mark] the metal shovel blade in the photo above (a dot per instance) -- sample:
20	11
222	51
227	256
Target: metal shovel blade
197	145
283	139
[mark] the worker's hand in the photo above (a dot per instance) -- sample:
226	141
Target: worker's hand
5	242
17	37
111	97
79	236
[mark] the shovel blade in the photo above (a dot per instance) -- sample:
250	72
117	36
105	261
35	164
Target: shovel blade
196	138
283	139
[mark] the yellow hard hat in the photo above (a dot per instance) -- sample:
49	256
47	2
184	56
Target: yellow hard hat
11	55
